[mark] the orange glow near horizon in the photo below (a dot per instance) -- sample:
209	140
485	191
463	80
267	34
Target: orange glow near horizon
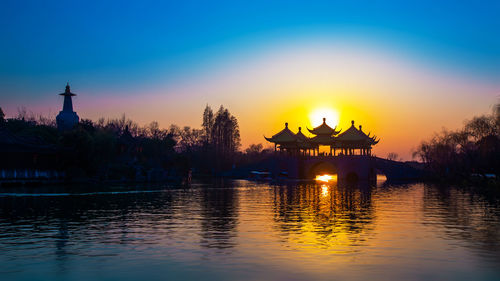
394	96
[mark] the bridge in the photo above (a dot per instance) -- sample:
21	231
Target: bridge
347	167
349	155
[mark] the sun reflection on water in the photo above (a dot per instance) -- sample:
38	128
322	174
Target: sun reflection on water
324	190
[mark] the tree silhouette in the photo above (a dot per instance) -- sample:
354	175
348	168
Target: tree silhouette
2	116
392	156
473	149
208	124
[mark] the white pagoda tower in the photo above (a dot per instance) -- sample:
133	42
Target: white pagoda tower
67	118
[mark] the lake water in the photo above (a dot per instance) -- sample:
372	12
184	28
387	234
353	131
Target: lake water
240	230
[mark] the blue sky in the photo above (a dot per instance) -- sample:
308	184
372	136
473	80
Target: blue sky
49	41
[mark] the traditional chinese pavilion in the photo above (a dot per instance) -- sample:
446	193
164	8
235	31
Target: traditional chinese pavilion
285	141
353	141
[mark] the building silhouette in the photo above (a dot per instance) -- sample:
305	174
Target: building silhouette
67	118
353	141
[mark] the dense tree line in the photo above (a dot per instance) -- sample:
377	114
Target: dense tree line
471	150
120	148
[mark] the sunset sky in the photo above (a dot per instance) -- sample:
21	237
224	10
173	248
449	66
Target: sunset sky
401	70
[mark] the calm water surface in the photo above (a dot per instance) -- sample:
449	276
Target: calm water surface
247	231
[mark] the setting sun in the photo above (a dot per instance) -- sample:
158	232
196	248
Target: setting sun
331	115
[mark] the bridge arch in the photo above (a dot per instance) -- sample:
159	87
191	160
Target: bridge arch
321	167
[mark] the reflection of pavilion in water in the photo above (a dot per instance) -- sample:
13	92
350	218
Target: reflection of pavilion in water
327	214
353	141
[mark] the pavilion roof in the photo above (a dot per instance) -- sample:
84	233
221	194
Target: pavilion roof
284	136
302	140
300	136
355	135
322	139
324	129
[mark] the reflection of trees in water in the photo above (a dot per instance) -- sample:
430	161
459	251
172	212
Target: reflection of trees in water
466	215
326	211
82	221
219	211
63	220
